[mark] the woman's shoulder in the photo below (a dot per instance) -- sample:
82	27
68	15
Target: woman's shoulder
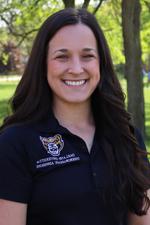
14	133
15	141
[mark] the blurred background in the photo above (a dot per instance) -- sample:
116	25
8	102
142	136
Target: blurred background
126	25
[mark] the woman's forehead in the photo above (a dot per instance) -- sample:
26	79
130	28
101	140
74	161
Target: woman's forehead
72	36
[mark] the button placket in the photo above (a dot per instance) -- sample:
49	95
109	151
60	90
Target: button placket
94	174
93	171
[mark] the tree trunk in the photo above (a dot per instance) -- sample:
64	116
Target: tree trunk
69	3
131	36
85	4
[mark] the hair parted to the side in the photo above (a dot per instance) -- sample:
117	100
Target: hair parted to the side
32	101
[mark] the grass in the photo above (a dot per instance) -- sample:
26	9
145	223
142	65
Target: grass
147	116
7	87
147	109
6	91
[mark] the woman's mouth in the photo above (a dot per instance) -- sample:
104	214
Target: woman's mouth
74	82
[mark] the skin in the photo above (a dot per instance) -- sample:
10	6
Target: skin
71	103
140	220
12	213
73	56
73	74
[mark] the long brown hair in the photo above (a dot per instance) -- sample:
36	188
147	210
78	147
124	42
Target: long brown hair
32	101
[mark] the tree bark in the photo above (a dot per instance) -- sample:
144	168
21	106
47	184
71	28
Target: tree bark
85	4
69	3
131	36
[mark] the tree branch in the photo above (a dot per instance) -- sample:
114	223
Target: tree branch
25	35
147	4
8	23
16	34
98	6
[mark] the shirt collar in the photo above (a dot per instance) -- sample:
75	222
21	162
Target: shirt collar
49	124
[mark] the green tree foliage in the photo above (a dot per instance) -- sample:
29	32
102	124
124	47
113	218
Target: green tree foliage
145	31
22	19
19	22
110	21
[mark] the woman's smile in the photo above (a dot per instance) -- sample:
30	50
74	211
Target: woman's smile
75	83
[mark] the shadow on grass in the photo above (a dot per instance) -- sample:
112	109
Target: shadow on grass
147	119
148	136
147	113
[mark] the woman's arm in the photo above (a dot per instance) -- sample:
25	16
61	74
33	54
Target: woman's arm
140	220
12	213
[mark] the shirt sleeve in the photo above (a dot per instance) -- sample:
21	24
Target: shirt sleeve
140	140
15	175
142	146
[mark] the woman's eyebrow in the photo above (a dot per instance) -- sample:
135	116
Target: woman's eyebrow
89	49
64	50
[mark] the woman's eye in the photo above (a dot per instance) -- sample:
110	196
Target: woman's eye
61	57
88	56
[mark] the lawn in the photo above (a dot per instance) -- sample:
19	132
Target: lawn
147	110
147	114
7	89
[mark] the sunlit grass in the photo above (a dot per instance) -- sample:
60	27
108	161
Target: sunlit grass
6	91
147	115
147	109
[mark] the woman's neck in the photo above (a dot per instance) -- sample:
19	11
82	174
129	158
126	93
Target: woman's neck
74	115
78	119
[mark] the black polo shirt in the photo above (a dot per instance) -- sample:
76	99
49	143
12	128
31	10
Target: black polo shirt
50	169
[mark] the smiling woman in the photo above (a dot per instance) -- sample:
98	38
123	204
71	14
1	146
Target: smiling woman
69	153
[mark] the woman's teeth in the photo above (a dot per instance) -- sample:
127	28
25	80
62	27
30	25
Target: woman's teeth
74	83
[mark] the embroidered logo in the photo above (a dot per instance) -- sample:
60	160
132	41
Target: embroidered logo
53	145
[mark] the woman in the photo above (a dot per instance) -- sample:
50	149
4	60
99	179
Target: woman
68	153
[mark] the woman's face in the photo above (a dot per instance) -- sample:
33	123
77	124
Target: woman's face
73	69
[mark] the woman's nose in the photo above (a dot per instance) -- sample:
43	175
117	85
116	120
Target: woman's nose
76	66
